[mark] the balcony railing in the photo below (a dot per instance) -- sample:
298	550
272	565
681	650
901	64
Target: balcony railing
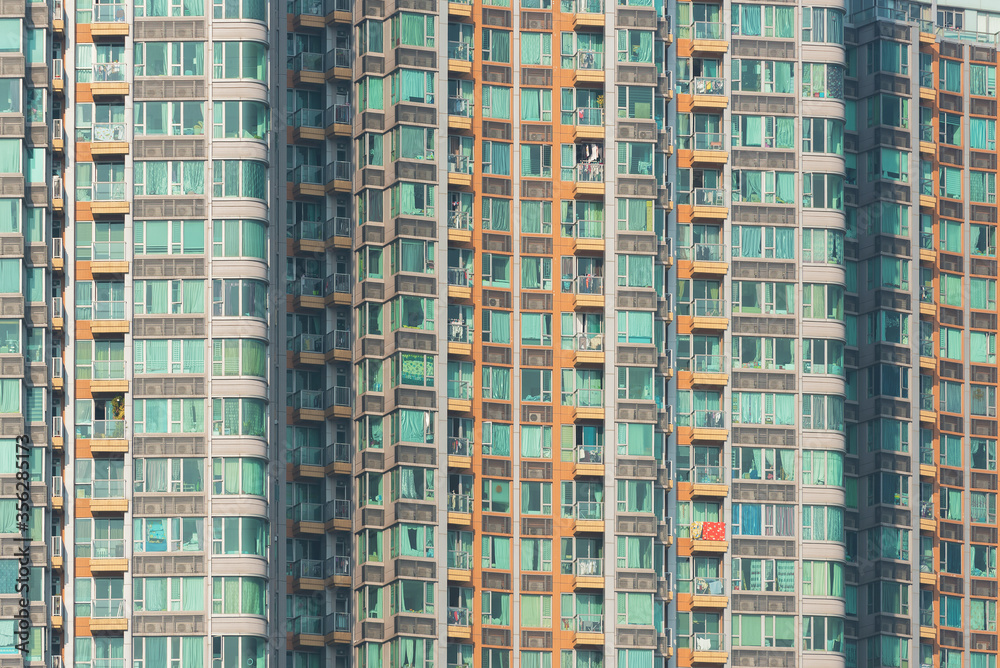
927	294
708	30
107	608
459	617
709	141
338	566
307	118
57	367
460	106
57	485
588	566
708	642
339	170
589	6
308	400
338	453
588	510
926	132
584	398
460	51
926	79
109	489
57	606
460	389
308	174
460	560
339	114
709	197
57	307
927	401
459	276
308	343
104	132
108	429
307	7
708	86
106	192
338	396
459	332
708	419
307	286
459	503
709	308
584	342
927	617
307	568
111	13
338	283
107	548
459	220
339	57
307	455
460	446
927	510
339	339
589	623
108	370
109	72
590	454
708	586
307	61
708	364
57	187
57	69
592	116
708	475
108	250
307	624
338	509
460	164
589	172
57	426
584	229
309	230
588	59
926	348
340	226
927	187
307	512
588	285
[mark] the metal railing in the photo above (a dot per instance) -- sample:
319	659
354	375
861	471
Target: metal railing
310	230
307	512
927	510
588	566
589	172
108	370
338	453
926	132
339	170
339	226
927	294
708	30
459	220
584	229
338	566
927	401
708	475
307	568
338	396
108	310
309	174
459	445
708	364
708	252
339	57
107	548
338	509
588	285
306	61
307	118
588	59
708	197
112	13
460	164
57	426
460	389
708	419
307	455
588	510
338	283
107	608
57	485
459	276
590	623
709	141
460	51
109	72
307	286
708	86
308	7
459	616
926	348
459	503
926	79
108	429
57	129
460	560
57	69
927	455
459	332
57	606
593	116
57	187
589	454
108	489
927	187
57	367
339	114
460	106
57	307
339	339
308	400
709	308
709	586
927	617
708	642
588	342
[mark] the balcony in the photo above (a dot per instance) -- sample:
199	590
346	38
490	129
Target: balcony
308	236
708	537
708	93
928	520
460	112
711	370
459	396
58	193
56	374
588	179
708	37
710	148
108	257
56	612
338	63
709	204
307	69
588	460
588	14
588	573
459	566
459	623
307	574
460	57
459	509
308	349
587	235
338	345
107	555
928	354
460	335
57	492
588	349
588	292
339	176
338	289
709	260
338	120
928	408
709	648
586	403
308	181
307	293
709	425
588	67
307	14
58	439
339	401
107	436
459	283
588	123
57	313
709	593
58	81
110	78
588	629
58	17
308	518
459	452
339	232
307	406
709	315
108	614
927	305
108	497
337	514
338	458
109	139
110	20
108	376
588	517
106	198
460	226
460	171
709	481
307	631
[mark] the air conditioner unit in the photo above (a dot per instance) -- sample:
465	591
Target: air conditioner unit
494	301
534	417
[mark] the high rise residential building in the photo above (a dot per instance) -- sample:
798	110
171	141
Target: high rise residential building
727	399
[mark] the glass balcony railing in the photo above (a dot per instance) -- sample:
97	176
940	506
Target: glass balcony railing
307	286
588	59
592	116
588	566
337	283
460	560
111	13
57	69
706	586
306	568
589	172
709	141
459	617
459	276
709	308
927	401
585	342
588	285
708	253
927	187
108	429
588	510
926	348
339	57
307	118
338	453
307	455
708	475
107	548
584	398
108	132
589	454
307	7
109	72
339	226
926	240
459	332
708	419
459	220
307	512
308	343
306	61
926	563
588	6
459	503
708	642
708	86
108	370
307	400
338	566
709	197
460	106
308	174
927	294
460	164
708	364
460	51
927	510
107	608
588	623
926	132
340	170
708	30
310	230
108	489
460	389
307	624
926	79
927	617
339	339
339	114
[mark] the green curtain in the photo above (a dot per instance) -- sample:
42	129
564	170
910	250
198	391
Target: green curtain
254	471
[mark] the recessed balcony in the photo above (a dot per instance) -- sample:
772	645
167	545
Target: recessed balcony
709	648
588	179
709	148
460	57
586	403
588	349
709	482
460	112
709	37
588	460
709	425
110	20
588	123
588	292
709	204
709	315
109	79
710	370
588	67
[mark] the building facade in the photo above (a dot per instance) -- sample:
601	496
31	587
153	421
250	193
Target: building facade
730	400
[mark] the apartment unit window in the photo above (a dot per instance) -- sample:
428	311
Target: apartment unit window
240	119
754	297
982	187
239	178
168	534
763	631
169	177
255	10
888	56
496	45
982	134
950	75
496	270
234	238
236	651
237	357
235	417
823	578
983	347
635	46
759	186
536	441
888	109
412	29
240	535
763	575
173	8
370	93
240	60
496	326
495	214
764	76
763	408
496	439
890	164
984	454
536	160
412	86
239	298
169	296
239	476
169	594
413	199
536	48
765	21
536	103
536	217
496	158
983	80
821	411
635	102
763	519
822	80
169	416
173	59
